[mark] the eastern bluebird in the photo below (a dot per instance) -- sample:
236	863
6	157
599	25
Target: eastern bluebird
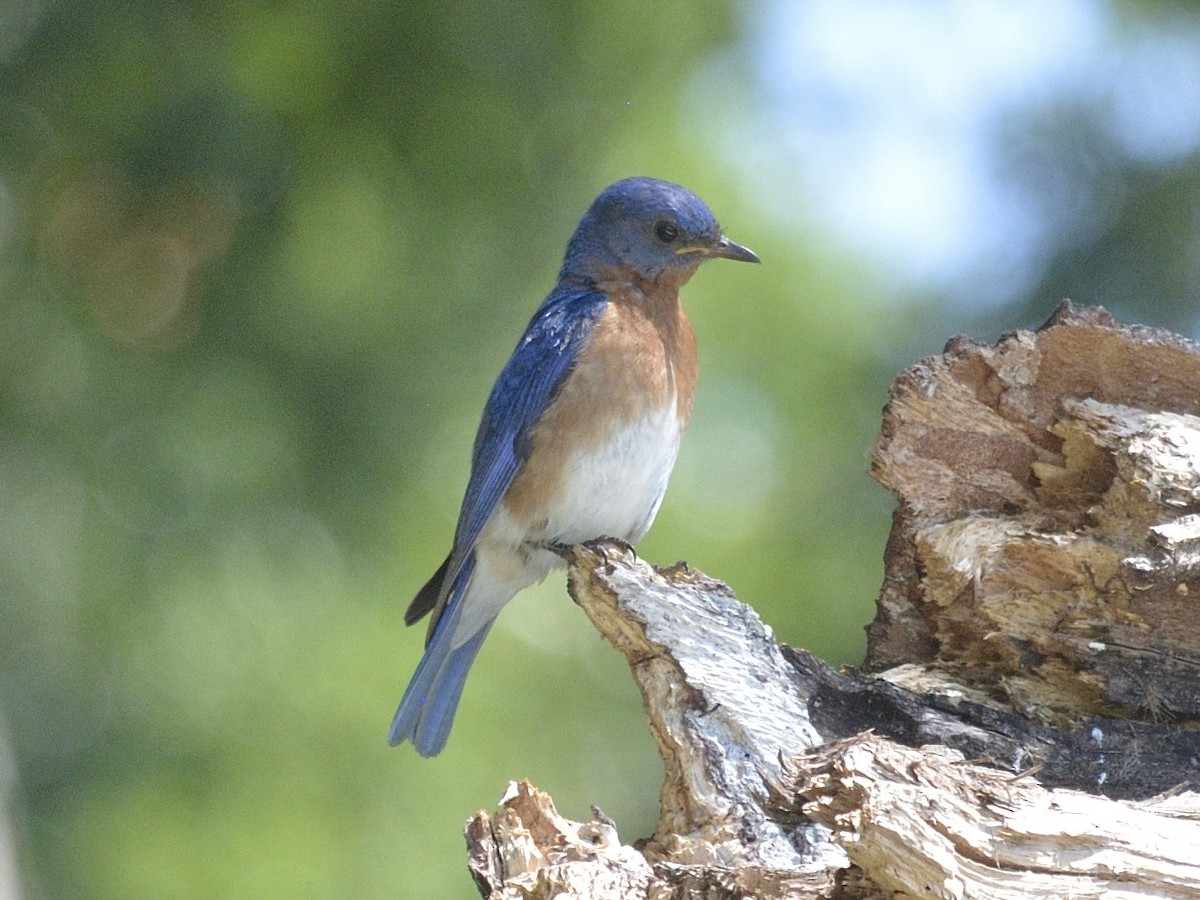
580	432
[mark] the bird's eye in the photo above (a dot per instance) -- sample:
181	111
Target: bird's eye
667	231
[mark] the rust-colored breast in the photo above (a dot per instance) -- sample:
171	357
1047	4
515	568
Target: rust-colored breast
641	356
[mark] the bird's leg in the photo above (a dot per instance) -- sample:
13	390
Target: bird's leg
599	544
556	547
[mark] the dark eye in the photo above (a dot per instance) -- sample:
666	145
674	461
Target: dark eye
666	231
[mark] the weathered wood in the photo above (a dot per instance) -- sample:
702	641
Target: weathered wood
923	822
750	809
528	850
710	674
1115	758
1030	729
726	708
1046	545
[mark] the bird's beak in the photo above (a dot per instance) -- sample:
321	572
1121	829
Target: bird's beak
727	249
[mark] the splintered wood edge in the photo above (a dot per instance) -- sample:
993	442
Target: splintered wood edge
925	822
919	822
526	850
1047	546
721	700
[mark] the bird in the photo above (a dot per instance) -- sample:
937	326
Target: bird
579	434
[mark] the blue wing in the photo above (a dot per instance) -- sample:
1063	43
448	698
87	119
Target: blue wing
545	354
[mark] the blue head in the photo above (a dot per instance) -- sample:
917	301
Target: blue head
647	229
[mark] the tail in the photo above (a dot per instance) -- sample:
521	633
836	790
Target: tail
427	710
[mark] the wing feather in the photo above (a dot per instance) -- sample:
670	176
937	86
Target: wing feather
527	385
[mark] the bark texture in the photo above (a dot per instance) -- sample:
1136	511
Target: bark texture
1046	549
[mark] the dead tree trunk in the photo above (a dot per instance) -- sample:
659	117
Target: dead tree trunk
1029	724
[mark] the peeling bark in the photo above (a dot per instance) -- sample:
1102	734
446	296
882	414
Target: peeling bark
1047	545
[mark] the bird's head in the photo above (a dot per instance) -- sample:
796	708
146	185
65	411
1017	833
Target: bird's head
647	230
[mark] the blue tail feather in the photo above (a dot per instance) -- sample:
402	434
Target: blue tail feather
427	710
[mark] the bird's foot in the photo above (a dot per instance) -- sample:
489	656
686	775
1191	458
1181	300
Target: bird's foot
557	548
604	544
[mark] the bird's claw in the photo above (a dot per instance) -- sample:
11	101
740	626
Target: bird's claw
605	543
602	545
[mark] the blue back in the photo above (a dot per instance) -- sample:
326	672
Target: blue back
527	385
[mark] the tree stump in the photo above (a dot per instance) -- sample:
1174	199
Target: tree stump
1026	721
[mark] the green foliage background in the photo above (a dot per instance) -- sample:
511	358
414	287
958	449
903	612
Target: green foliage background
259	264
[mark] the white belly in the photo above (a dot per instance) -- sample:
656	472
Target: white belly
615	490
